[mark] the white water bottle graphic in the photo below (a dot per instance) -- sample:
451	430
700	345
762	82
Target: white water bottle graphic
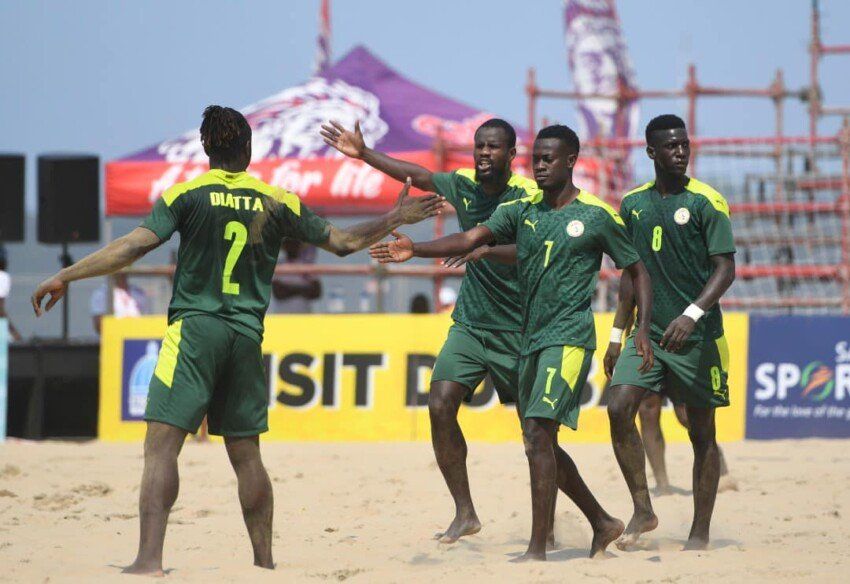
140	378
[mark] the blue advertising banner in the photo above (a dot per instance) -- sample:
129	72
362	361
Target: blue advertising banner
139	364
798	383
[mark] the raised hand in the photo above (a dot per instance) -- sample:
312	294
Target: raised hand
395	252
349	143
416	209
53	286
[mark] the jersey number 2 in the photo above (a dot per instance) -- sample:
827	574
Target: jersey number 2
238	234
657	233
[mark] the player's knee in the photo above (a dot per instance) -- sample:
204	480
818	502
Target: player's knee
440	406
534	437
702	437
620	413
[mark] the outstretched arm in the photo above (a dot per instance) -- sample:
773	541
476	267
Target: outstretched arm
503	254
682	326
402	249
352	145
116	255
407	210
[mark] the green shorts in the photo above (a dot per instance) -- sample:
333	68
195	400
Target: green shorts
469	354
207	368
551	381
696	375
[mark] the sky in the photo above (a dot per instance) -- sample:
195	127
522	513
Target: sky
110	77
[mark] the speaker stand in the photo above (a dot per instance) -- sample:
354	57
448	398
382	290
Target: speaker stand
66	260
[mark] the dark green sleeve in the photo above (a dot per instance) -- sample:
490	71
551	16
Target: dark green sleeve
300	222
717	230
446	185
616	243
163	219
503	223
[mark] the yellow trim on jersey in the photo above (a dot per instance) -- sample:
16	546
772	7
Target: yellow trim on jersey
723	349
716	199
524	183
467	173
167	361
595	201
515	181
533	199
642	187
172	193
572	360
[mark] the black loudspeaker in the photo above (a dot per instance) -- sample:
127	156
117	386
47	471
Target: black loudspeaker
11	197
68	198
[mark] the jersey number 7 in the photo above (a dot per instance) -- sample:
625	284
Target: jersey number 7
236	233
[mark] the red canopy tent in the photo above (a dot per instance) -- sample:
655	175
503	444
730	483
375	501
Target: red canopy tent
396	115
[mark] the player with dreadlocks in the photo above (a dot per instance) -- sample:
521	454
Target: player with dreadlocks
231	226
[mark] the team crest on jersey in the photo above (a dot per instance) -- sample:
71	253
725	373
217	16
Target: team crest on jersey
575	228
287	124
681	216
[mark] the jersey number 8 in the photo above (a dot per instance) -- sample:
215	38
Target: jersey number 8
235	232
657	233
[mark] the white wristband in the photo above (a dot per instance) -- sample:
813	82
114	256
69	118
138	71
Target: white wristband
694	312
616	335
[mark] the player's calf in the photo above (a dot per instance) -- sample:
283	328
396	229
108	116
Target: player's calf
255	495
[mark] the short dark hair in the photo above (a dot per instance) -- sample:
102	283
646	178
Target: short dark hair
508	129
224	132
563	133
664	122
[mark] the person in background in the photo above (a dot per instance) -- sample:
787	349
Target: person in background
419	304
5	287
127	300
448	298
295	293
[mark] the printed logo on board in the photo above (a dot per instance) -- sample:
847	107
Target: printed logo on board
139	362
813	381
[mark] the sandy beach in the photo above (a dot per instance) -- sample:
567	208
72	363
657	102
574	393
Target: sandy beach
367	512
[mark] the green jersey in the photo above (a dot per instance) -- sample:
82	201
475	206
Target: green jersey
231	226
559	252
489	294
675	235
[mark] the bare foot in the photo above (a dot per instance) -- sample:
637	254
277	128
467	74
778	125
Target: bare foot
637	525
696	544
727	483
144	569
459	527
603	534
530	557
